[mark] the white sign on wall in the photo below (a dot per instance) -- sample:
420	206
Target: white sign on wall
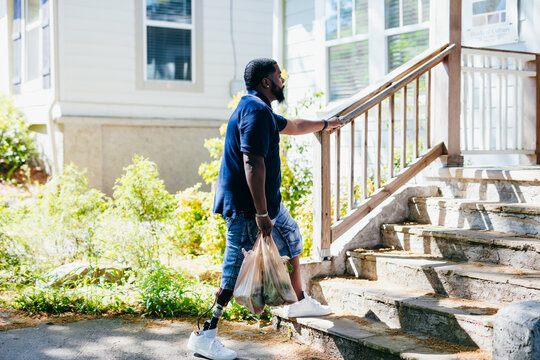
489	22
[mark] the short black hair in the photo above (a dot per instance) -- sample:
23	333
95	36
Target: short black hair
256	70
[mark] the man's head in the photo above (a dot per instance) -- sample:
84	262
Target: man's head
264	75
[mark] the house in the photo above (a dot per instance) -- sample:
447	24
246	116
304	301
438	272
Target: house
419	256
102	80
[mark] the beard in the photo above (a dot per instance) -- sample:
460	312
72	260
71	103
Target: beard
278	92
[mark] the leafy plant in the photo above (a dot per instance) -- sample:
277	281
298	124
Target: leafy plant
141	194
16	143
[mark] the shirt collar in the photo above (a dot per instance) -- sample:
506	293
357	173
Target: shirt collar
260	96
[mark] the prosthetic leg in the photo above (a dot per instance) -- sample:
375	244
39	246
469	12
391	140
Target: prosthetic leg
204	341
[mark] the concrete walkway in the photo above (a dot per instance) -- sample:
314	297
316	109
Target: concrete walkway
143	339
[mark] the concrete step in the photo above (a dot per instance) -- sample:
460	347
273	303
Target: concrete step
464	245
348	337
504	184
515	218
495	284
464	322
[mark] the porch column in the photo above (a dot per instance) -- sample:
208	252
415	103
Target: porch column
445	20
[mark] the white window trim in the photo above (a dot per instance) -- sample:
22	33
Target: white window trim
37	83
141	23
339	41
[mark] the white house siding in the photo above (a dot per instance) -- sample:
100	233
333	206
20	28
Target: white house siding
5	41
106	118
301	57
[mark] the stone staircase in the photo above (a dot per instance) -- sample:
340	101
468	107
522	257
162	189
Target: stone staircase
432	288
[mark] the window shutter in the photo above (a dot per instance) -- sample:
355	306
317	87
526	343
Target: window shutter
17	47
46	43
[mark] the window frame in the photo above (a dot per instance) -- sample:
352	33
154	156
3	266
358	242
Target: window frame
36	83
404	29
341	41
196	82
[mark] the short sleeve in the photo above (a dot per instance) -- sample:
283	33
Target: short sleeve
255	130
281	122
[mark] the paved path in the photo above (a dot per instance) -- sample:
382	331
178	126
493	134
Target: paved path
148	339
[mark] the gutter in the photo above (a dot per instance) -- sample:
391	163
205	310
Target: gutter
54	110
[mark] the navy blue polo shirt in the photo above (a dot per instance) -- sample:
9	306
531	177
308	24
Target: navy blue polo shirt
253	128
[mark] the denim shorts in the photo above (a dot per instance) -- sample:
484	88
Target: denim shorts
242	233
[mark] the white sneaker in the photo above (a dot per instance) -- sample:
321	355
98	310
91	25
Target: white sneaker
306	307
204	342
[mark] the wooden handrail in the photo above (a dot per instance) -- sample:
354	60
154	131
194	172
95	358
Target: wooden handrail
392	82
358	105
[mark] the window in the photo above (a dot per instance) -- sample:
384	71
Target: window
32	43
347	46
345	18
168	27
348	69
407	30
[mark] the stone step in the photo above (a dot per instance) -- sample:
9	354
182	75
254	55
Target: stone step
495	284
464	245
464	322
505	184
348	337
515	218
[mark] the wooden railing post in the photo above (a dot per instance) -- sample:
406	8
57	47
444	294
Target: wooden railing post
446	27
531	126
537	109
321	196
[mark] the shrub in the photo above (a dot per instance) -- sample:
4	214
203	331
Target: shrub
198	230
141	194
164	292
16	143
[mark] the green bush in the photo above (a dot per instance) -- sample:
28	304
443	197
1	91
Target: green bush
164	293
198	230
141	194
16	143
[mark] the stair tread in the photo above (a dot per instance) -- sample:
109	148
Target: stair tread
489	237
499	173
482	271
372	289
376	335
480	205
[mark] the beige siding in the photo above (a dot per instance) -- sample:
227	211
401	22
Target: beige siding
98	59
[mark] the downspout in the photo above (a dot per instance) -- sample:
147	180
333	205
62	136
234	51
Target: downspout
54	109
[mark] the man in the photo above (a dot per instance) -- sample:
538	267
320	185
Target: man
248	196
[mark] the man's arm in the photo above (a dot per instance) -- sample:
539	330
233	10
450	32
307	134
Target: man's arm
255	170
302	126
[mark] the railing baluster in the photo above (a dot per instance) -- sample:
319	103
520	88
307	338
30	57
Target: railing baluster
521	97
364	154
428	111
417	116
338	168
500	127
481	105
516	115
378	161
505	111
465	108
489	104
473	105
351	180
404	131
391	138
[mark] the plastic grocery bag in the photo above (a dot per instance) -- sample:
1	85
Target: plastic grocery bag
277	288
248	290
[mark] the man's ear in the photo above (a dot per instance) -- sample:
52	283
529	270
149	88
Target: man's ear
265	83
